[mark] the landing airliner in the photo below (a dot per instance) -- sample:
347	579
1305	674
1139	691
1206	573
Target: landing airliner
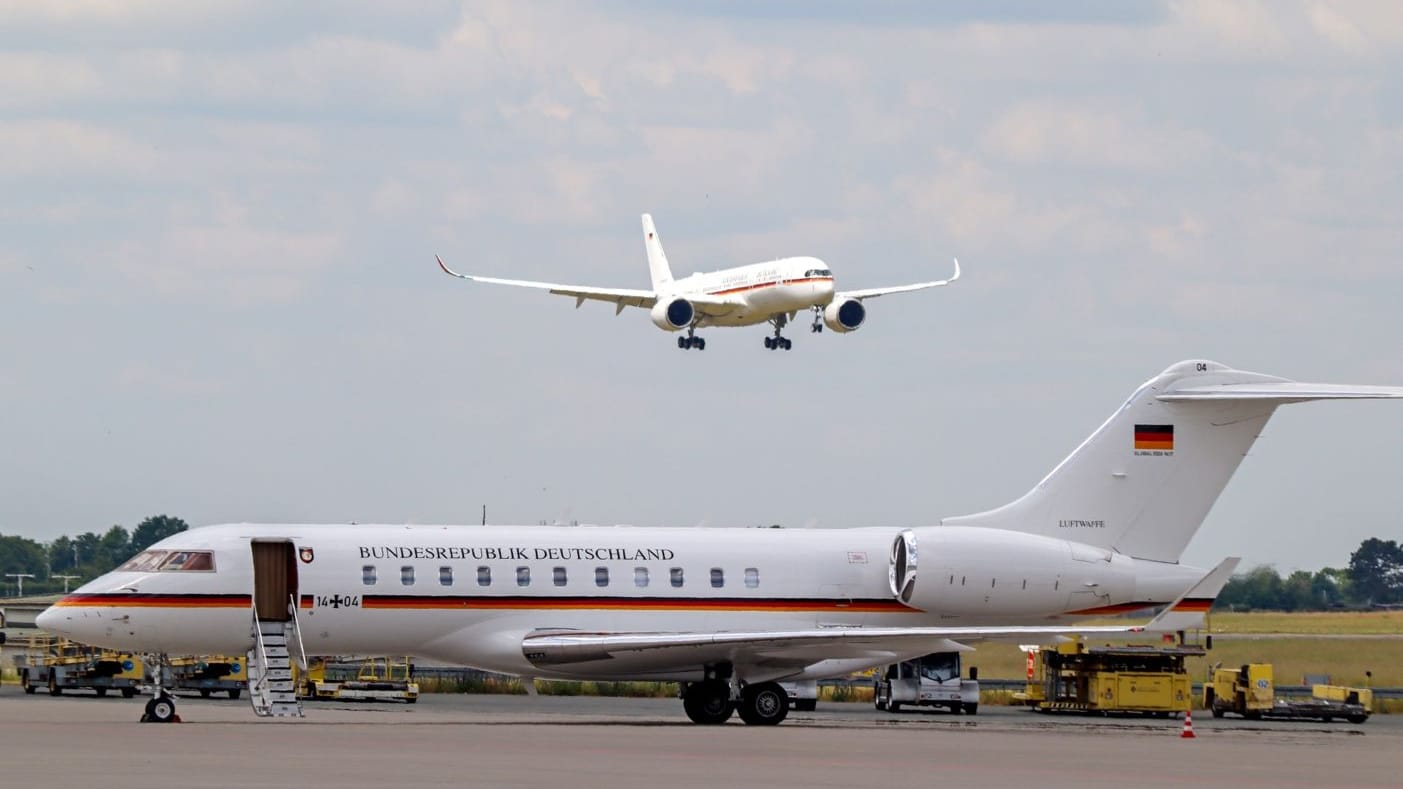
773	293
728	613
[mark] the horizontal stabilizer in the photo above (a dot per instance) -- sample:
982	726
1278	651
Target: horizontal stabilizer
1284	392
1189	611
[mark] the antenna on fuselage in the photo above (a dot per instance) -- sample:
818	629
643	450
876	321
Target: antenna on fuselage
484	515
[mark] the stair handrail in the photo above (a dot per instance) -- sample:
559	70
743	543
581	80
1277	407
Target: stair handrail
255	689
297	631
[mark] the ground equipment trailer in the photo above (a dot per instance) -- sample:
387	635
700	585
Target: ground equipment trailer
373	679
207	675
59	664
1250	691
929	681
1076	677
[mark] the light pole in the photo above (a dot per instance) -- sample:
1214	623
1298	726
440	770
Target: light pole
66	579
19	579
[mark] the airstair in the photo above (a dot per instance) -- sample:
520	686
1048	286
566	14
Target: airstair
271	687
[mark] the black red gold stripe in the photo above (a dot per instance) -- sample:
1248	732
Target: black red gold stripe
744	288
136	600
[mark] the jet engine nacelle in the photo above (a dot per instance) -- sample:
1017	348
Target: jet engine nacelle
844	316
673	314
974	572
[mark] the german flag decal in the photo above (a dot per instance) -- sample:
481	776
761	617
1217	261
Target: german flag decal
1154	438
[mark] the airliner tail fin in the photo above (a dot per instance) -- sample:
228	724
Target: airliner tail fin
1144	481
657	260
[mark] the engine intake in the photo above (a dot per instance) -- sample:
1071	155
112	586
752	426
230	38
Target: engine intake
673	315
844	316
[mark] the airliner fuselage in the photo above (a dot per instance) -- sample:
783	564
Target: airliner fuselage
471	595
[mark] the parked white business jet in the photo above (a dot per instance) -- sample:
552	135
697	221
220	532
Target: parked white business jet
726	612
773	293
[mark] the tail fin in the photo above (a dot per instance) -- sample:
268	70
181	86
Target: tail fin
1191	609
1144	481
657	261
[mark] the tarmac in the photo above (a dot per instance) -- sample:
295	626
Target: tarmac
474	740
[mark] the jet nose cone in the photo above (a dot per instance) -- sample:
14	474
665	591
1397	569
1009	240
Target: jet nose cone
52	620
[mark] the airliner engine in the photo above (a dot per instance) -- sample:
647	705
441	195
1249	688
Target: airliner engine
844	316
673	314
1032	575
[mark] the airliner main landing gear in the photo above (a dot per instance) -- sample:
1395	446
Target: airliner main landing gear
689	342
817	326
709	702
777	341
763	704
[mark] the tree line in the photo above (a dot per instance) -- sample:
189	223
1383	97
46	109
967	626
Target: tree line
86	556
1374	577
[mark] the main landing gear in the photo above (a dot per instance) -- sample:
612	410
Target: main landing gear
689	342
161	707
777	341
709	703
817	326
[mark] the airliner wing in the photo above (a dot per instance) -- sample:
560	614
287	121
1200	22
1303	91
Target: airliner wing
872	293
801	648
622	297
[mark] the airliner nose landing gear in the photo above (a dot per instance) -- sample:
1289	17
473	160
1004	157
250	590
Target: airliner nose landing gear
689	342
817	326
161	707
777	341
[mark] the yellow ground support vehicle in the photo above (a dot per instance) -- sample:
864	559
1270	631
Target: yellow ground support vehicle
372	679
1250	691
59	664
208	674
1075	677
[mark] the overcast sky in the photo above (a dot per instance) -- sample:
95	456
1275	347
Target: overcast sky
218	296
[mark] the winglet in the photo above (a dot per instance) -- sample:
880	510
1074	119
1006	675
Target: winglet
1187	613
957	271
450	272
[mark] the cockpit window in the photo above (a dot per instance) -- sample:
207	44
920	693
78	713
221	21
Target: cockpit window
818	272
188	561
144	562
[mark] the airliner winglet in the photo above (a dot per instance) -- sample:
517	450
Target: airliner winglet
450	272
773	292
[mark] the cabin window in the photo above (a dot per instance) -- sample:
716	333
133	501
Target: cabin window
144	562
484	576
601	576
406	575
640	577
367	575
445	576
675	575
558	576
718	578
752	577
523	576
188	561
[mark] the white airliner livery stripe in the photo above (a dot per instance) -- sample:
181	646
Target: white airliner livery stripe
727	612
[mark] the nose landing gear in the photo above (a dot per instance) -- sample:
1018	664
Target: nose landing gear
817	326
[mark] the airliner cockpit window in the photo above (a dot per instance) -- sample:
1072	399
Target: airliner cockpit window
144	562
188	561
818	272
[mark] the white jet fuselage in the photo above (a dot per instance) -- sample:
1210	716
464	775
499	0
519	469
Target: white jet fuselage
763	290
469	595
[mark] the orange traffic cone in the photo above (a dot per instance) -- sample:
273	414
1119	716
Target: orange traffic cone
1188	732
